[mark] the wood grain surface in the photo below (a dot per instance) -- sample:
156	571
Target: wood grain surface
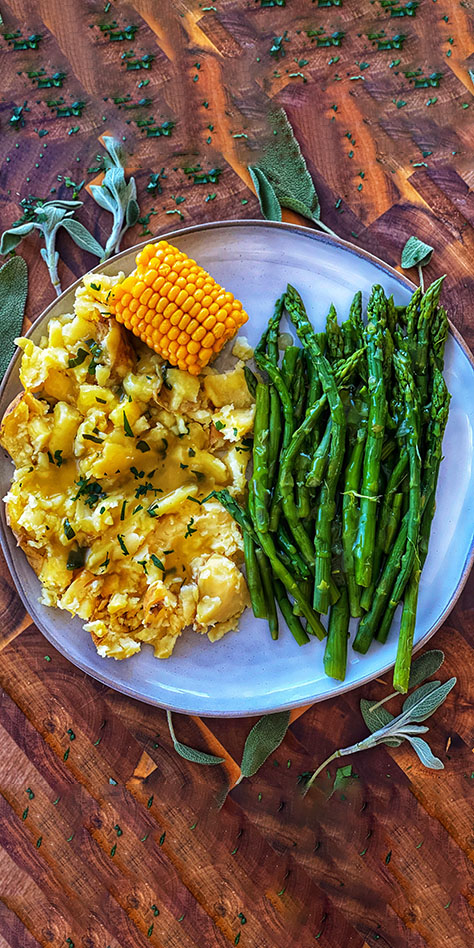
108	838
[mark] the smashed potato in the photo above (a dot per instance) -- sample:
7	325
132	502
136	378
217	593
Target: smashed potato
115	454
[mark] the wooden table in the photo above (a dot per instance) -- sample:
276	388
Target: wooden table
109	838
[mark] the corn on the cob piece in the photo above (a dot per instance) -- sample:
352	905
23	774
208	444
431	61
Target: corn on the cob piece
176	308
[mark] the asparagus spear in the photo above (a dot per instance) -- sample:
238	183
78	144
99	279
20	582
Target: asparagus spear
275	409
326	509
260	456
268	592
364	545
254	582
350	516
288	549
291	620
320	457
412	425
428	305
353	328
335	653
315	626
369	623
438	418
334	336
387	526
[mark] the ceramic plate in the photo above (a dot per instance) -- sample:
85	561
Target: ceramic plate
247	673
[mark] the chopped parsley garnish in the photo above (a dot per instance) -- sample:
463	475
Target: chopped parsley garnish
194	499
94	438
106	562
78	358
76	558
95	286
183	466
68	530
219	425
165	552
136	473
103	401
156	562
142	446
90	491
142	489
199	474
122	512
126	426
96	355
190	529
143	563
191	452
122	545
137	508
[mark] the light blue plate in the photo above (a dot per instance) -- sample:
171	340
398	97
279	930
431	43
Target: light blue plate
247	673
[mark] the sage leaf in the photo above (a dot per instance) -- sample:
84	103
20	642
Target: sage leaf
189	753
424	666
114	150
285	168
425	753
269	203
13	294
416	253
264	738
82	237
374	719
133	213
12	237
102	197
471	74
196	756
425	700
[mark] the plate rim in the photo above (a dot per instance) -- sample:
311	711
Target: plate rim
193	228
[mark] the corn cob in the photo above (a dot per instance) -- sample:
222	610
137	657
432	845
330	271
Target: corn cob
176	308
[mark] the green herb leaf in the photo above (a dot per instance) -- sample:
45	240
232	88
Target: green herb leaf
264	738
189	753
423	702
425	753
78	359
376	719
11	238
269	203
76	558
127	427
68	530
13	294
82	237
132	213
424	666
285	168
415	253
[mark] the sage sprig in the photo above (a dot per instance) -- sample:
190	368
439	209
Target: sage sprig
419	706
264	738
189	753
281	177
48	217
116	195
416	254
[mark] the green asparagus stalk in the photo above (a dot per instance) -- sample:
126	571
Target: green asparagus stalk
439	410
369	623
428	305
387	527
350	517
315	626
335	654
364	545
320	457
268	592
326	509
286	610
412	424
260	456
254	582
334	336
288	549
275	425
